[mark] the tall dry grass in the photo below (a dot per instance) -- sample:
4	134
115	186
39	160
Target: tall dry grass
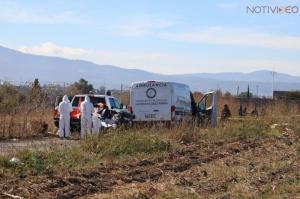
29	112
24	111
122	145
266	107
25	123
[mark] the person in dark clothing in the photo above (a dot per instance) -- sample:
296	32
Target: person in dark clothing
104	112
254	113
193	106
226	113
241	111
245	111
263	112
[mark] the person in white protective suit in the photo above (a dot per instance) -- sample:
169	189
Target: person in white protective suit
96	121
64	109
86	111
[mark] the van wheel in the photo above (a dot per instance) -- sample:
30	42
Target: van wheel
128	124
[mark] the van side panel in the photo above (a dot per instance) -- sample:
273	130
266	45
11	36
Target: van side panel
151	101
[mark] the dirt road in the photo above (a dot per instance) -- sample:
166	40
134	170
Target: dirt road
243	168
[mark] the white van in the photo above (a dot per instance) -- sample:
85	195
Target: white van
160	101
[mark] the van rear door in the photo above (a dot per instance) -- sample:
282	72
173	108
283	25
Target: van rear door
151	101
207	108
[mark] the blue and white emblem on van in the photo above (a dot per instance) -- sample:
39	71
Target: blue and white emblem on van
151	93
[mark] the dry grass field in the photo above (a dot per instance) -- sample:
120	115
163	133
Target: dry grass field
244	157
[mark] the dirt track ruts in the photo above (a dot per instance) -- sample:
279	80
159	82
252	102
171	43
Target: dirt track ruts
103	178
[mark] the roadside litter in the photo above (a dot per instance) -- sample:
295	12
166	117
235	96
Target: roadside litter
15	161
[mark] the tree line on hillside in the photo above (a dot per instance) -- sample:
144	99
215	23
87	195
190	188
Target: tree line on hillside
36	96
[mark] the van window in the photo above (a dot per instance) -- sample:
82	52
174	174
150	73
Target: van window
182	93
94	100
114	103
76	101
209	101
206	102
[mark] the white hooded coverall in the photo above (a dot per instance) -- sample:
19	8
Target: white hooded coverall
86	111
64	109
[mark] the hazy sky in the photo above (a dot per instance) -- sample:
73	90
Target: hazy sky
164	36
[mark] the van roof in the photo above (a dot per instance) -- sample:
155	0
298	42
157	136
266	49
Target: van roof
153	81
210	92
92	95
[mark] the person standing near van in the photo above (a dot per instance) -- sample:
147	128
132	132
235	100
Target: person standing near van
86	111
104	112
64	109
193	106
226	113
241	111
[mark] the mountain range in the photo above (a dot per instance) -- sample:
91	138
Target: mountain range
18	67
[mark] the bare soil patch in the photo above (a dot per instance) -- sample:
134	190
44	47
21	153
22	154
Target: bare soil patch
249	167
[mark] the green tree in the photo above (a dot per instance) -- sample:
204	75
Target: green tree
80	87
36	94
246	94
227	94
36	85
